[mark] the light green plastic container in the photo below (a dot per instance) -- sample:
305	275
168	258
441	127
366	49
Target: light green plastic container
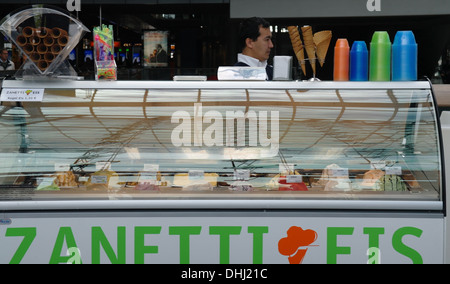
380	57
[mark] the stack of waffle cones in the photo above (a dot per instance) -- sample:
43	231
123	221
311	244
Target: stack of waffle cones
315	45
42	44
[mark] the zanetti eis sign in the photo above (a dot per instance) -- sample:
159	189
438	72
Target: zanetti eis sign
221	240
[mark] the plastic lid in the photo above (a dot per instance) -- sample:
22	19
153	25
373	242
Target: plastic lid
380	37
359	46
404	38
342	42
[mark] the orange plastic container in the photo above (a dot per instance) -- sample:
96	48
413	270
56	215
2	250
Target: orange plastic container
341	60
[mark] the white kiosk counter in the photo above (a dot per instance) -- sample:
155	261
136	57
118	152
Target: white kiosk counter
221	172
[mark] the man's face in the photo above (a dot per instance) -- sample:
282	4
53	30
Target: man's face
4	55
260	49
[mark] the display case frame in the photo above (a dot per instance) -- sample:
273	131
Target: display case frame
342	200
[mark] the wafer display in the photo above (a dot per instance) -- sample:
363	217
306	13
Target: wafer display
46	36
42	45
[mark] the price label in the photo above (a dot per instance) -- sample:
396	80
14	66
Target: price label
397	170
147	178
294	179
46	181
83	179
196	174
22	95
241	174
151	167
99	179
151	172
340	172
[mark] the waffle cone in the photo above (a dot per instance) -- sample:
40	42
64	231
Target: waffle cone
322	41
309	46
297	45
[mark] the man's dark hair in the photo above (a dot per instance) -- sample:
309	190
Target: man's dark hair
249	28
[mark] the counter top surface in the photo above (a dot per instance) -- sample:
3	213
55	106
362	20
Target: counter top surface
71	84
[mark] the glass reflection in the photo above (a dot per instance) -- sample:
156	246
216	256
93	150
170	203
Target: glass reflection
275	144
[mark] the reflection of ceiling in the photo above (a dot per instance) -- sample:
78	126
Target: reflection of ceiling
129	128
294	107
315	111
134	23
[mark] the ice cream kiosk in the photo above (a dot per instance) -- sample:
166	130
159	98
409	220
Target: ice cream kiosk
219	172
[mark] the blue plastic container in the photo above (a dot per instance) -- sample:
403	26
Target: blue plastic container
359	62
404	57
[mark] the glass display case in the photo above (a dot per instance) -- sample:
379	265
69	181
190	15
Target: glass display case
249	145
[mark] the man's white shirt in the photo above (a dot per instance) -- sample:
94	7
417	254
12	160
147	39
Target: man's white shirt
251	61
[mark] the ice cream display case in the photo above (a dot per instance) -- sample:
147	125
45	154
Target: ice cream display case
220	172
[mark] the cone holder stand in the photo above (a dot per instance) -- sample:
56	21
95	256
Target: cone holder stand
313	78
45	35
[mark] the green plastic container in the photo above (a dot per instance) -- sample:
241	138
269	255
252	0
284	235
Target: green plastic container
380	57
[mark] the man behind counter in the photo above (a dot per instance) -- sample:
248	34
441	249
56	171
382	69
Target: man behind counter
255	39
